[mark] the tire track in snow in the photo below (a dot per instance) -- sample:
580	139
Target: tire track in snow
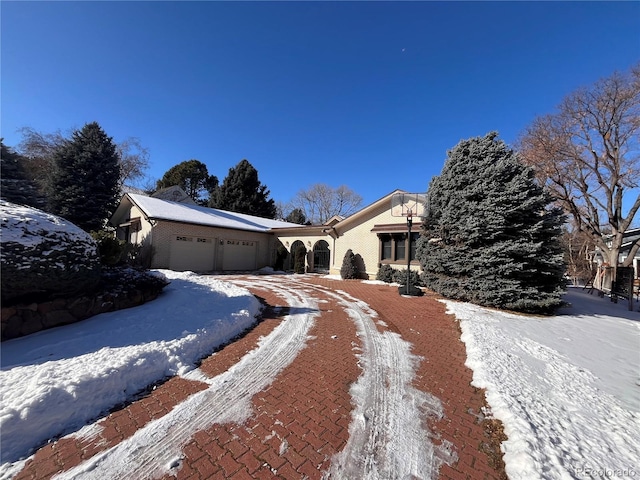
387	436
155	449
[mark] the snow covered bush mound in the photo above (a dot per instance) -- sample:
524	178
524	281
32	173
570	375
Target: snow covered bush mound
44	256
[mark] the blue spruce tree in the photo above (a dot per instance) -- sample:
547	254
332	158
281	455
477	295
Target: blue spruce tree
491	235
84	185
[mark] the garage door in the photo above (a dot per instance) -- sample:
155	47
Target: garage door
192	253
239	255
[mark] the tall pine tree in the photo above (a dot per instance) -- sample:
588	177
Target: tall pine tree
242	192
84	184
193	177
15	185
491	236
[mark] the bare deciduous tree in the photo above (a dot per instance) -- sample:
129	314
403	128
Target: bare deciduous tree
320	202
579	250
134	161
588	155
38	150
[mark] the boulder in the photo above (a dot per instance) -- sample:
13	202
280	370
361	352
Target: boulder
44	256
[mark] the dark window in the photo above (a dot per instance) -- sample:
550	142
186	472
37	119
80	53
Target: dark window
393	247
400	247
414	240
386	247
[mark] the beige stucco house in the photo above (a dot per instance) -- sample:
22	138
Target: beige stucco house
373	234
185	236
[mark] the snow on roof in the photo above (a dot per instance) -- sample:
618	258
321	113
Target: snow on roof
155	208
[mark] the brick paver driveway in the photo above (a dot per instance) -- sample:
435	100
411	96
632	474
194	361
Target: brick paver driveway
339	379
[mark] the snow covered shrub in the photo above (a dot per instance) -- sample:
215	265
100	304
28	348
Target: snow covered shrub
385	273
44	256
491	235
349	269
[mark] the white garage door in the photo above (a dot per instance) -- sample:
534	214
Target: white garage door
192	253
239	255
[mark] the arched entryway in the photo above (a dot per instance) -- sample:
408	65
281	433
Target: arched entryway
321	256
298	257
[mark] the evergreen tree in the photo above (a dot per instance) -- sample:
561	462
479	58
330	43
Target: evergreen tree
242	192
299	256
281	256
193	177
349	268
15	185
297	216
491	236
84	184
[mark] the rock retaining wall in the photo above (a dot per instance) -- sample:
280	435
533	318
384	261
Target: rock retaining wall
24	319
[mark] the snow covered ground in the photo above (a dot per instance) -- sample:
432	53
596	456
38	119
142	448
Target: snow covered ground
55	381
566	387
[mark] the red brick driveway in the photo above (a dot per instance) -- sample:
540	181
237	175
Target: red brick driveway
300	422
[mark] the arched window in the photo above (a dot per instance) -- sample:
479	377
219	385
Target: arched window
321	256
298	257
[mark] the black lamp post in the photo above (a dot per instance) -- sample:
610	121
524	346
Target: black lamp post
409	289
409	223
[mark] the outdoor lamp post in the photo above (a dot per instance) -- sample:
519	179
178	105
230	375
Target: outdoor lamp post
409	223
406	205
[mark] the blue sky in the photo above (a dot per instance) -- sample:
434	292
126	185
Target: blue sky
366	94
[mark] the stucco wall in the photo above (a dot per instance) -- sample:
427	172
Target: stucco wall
309	242
164	232
355	235
362	241
145	227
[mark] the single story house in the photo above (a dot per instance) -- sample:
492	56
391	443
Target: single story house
373	234
185	236
602	277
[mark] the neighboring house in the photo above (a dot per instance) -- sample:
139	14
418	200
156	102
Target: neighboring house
190	237
603	278
173	194
631	237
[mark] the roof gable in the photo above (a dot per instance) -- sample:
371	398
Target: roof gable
341	225
371	209
174	194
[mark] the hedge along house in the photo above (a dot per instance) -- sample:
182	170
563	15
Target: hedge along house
184	236
373	234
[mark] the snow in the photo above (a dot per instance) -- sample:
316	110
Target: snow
30	227
156	208
228	399
387	438
55	381
565	387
